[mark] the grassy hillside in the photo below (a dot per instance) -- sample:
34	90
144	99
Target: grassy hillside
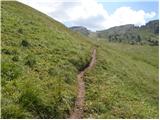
40	61
124	82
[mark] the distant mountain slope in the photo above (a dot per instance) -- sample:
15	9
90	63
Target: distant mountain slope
152	26
82	30
119	29
41	58
147	34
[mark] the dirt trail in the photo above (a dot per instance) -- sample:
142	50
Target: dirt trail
77	112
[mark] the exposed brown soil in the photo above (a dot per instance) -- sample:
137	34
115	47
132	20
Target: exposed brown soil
77	112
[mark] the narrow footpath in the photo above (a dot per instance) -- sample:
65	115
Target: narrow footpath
77	112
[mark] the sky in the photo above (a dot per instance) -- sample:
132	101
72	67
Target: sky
98	14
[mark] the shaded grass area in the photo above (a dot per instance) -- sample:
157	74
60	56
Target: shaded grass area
40	61
124	82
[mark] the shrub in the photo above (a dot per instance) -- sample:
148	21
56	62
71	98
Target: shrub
25	43
76	63
52	71
15	58
132	43
5	51
69	77
30	61
30	99
138	38
10	71
80	64
20	31
9	52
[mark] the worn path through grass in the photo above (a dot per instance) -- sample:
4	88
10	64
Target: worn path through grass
77	112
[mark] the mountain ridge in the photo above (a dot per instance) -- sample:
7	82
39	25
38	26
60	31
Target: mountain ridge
128	33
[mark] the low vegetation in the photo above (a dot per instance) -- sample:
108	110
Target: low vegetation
40	61
124	82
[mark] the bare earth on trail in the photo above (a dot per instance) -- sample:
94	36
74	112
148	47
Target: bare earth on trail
77	112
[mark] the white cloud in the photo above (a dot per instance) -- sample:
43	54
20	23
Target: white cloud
89	13
126	15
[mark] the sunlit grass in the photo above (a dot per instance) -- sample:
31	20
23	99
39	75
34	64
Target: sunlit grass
124	83
40	61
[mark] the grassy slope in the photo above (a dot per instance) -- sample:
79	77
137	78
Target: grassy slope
39	74
41	58
124	83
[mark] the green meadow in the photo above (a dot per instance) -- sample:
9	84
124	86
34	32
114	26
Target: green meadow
41	59
124	82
